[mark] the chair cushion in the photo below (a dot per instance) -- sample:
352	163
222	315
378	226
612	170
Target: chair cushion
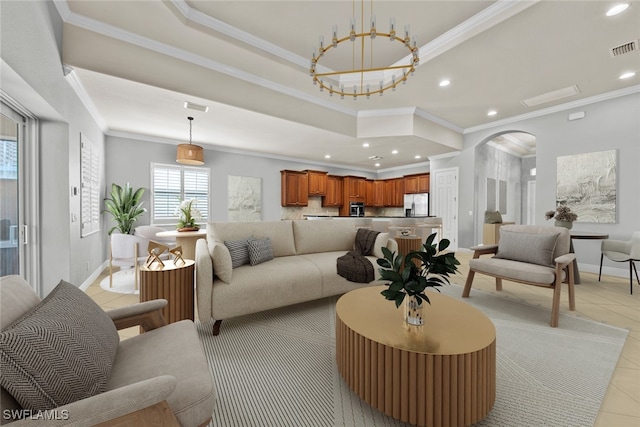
527	247
260	250
59	352
515	270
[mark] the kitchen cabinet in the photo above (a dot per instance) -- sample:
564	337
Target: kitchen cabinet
334	196
368	193
294	188
378	194
355	187
394	192
418	183
317	181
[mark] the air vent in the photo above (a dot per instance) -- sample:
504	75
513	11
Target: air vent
192	106
624	48
375	158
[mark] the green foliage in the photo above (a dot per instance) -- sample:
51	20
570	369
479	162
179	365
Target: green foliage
125	207
418	270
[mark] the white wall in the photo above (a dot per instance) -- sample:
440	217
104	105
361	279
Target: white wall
609	124
31	37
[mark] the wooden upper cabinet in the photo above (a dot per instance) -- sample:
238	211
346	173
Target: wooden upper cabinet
334	194
378	193
418	183
398	197
294	188
317	182
355	187
368	193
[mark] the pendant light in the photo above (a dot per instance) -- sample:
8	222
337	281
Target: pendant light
190	154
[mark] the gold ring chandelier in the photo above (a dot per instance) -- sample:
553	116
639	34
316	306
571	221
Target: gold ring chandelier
372	80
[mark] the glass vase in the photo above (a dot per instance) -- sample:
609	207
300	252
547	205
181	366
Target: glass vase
413	311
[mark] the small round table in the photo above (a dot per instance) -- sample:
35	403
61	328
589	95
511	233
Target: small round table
186	239
583	235
439	374
173	283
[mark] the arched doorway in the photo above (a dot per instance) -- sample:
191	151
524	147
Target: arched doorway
504	168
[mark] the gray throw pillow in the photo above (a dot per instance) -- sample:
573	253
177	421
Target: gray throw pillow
527	247
260	251
59	352
239	250
492	217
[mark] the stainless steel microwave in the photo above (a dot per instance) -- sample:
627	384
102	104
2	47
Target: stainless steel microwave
356	209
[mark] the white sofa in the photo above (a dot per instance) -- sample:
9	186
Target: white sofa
303	268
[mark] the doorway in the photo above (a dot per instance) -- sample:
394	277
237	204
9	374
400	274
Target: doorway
18	194
445	203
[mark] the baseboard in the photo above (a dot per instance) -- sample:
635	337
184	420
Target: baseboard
607	271
92	278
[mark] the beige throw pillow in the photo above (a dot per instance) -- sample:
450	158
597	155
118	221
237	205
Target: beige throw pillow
381	242
222	262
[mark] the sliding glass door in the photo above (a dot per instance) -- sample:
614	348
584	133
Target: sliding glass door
11	255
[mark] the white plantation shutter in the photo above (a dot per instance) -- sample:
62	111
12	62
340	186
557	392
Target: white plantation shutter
89	188
171	184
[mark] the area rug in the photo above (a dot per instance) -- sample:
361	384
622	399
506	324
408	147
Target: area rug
277	368
123	282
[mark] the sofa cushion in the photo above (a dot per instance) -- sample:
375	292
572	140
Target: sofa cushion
280	233
323	236
59	352
381	242
527	247
260	250
239	251
222	262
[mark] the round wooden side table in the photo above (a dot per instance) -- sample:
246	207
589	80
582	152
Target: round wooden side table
440	374
173	283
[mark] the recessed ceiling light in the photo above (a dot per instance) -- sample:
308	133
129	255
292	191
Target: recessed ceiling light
492	113
444	83
417	156
394	152
619	8
377	165
326	156
627	75
365	145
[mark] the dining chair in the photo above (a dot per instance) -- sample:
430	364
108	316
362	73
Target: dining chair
623	251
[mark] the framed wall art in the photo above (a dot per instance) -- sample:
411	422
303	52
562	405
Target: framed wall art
587	184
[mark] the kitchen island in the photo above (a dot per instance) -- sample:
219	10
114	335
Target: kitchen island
396	226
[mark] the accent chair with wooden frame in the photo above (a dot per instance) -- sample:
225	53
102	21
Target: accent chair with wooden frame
528	254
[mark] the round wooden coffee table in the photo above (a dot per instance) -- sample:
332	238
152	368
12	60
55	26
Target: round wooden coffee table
439	374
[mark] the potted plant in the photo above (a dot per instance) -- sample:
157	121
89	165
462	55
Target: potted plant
411	274
563	215
125	207
188	214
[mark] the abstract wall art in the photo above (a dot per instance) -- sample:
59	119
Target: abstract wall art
587	184
245	198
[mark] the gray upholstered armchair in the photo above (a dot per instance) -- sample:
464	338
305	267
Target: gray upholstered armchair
62	361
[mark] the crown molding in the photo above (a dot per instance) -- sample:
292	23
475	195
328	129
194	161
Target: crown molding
175	142
78	88
556	108
503	149
403	167
444	155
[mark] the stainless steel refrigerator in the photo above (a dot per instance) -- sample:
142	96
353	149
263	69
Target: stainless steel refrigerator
416	204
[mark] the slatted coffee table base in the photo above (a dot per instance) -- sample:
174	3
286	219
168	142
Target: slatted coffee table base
418	388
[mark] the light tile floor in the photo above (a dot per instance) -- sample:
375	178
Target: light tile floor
608	301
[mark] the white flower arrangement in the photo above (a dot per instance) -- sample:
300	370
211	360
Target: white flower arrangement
188	214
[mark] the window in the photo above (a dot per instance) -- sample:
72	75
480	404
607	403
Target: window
90	190
171	184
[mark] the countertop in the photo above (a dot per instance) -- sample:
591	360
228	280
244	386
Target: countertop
368	216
